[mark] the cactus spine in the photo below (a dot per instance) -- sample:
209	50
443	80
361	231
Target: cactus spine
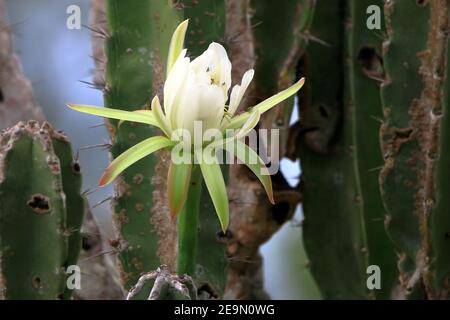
41	211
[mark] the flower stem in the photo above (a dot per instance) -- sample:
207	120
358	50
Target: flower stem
188	225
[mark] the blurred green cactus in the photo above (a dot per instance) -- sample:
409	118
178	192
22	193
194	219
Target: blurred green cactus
41	212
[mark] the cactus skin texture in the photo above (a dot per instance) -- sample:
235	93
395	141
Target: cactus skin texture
41	212
332	233
206	25
364	72
343	227
136	51
415	140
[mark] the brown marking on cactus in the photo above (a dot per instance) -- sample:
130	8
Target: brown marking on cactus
36	282
39	203
121	218
206	290
76	168
432	70
139	207
137	264
371	63
422	3
138	178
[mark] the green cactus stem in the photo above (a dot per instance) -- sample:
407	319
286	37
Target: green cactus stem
41	211
414	138
364	73
333	229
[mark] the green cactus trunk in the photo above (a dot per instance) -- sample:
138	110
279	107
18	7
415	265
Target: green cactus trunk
414	138
41	212
343	227
136	51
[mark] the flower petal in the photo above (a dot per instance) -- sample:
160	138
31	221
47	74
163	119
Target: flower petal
249	124
251	159
176	44
159	116
135	116
133	155
238	91
221	67
216	185
267	104
178	180
174	86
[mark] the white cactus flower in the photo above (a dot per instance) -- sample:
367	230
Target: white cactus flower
195	91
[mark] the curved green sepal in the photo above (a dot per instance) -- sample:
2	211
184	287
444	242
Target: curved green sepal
267	104
133	155
216	185
178	180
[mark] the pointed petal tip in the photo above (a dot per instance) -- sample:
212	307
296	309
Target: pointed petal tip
271	199
104	179
301	82
224	228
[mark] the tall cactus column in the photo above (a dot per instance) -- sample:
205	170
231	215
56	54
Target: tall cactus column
136	50
364	74
333	231
340	154
414	137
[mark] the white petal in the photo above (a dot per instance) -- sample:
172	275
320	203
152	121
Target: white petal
238	91
221	67
175	80
202	62
212	105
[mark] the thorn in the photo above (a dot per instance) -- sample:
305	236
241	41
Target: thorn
97	31
96	125
377	119
319	41
102	145
102	202
376	168
91	85
89	191
112	251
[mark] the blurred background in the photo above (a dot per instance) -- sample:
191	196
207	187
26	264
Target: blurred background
58	62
